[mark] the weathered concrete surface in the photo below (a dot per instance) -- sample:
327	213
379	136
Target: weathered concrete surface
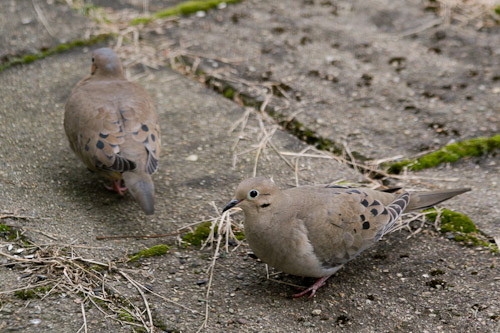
388	288
23	31
41	177
354	73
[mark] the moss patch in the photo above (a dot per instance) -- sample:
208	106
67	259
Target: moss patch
449	154
199	235
126	316
26	294
497	10
29	58
452	221
240	235
184	8
4	228
157	250
462	228
8	232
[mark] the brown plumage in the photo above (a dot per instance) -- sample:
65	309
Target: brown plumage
314	230
112	127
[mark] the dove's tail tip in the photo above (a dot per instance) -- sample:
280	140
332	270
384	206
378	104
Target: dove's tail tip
142	189
429	199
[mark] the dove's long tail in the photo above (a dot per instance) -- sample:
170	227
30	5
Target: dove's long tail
141	187
421	200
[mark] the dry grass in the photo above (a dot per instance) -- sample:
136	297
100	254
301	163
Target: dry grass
480	13
59	268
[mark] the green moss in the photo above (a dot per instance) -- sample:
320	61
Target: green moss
184	8
199	235
8	232
157	250
462	227
452	221
449	154
32	293
4	228
29	58
25	294
240	235
126	316
228	93
141	20
497	10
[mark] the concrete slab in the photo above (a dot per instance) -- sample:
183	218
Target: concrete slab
354	72
23	31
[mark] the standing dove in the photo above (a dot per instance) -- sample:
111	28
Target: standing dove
112	127
313	230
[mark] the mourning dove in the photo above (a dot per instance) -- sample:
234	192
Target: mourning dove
313	230
112	127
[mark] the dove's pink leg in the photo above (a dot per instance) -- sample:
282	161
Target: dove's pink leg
116	186
318	284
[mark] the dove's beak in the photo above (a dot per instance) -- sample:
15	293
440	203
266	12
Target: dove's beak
231	204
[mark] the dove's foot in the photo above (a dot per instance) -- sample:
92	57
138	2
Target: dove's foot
312	289
116	186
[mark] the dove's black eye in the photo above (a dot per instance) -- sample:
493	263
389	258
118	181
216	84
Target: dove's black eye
252	194
93	59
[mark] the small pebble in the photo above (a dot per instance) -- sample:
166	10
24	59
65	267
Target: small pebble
242	321
231	310
201	282
316	312
35	321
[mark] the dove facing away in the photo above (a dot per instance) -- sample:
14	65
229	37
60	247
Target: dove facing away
314	230
112	127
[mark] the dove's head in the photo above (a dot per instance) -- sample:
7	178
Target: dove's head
253	194
105	62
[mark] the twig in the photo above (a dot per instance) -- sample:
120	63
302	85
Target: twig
286	283
42	19
23	217
212	268
421	28
143	298
139	236
84	318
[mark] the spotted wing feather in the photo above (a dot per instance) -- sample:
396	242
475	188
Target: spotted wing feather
354	219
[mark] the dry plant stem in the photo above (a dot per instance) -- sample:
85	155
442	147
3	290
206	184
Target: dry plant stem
212	268
139	289
84	318
42	19
322	154
139	236
23	217
261	147
422	28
